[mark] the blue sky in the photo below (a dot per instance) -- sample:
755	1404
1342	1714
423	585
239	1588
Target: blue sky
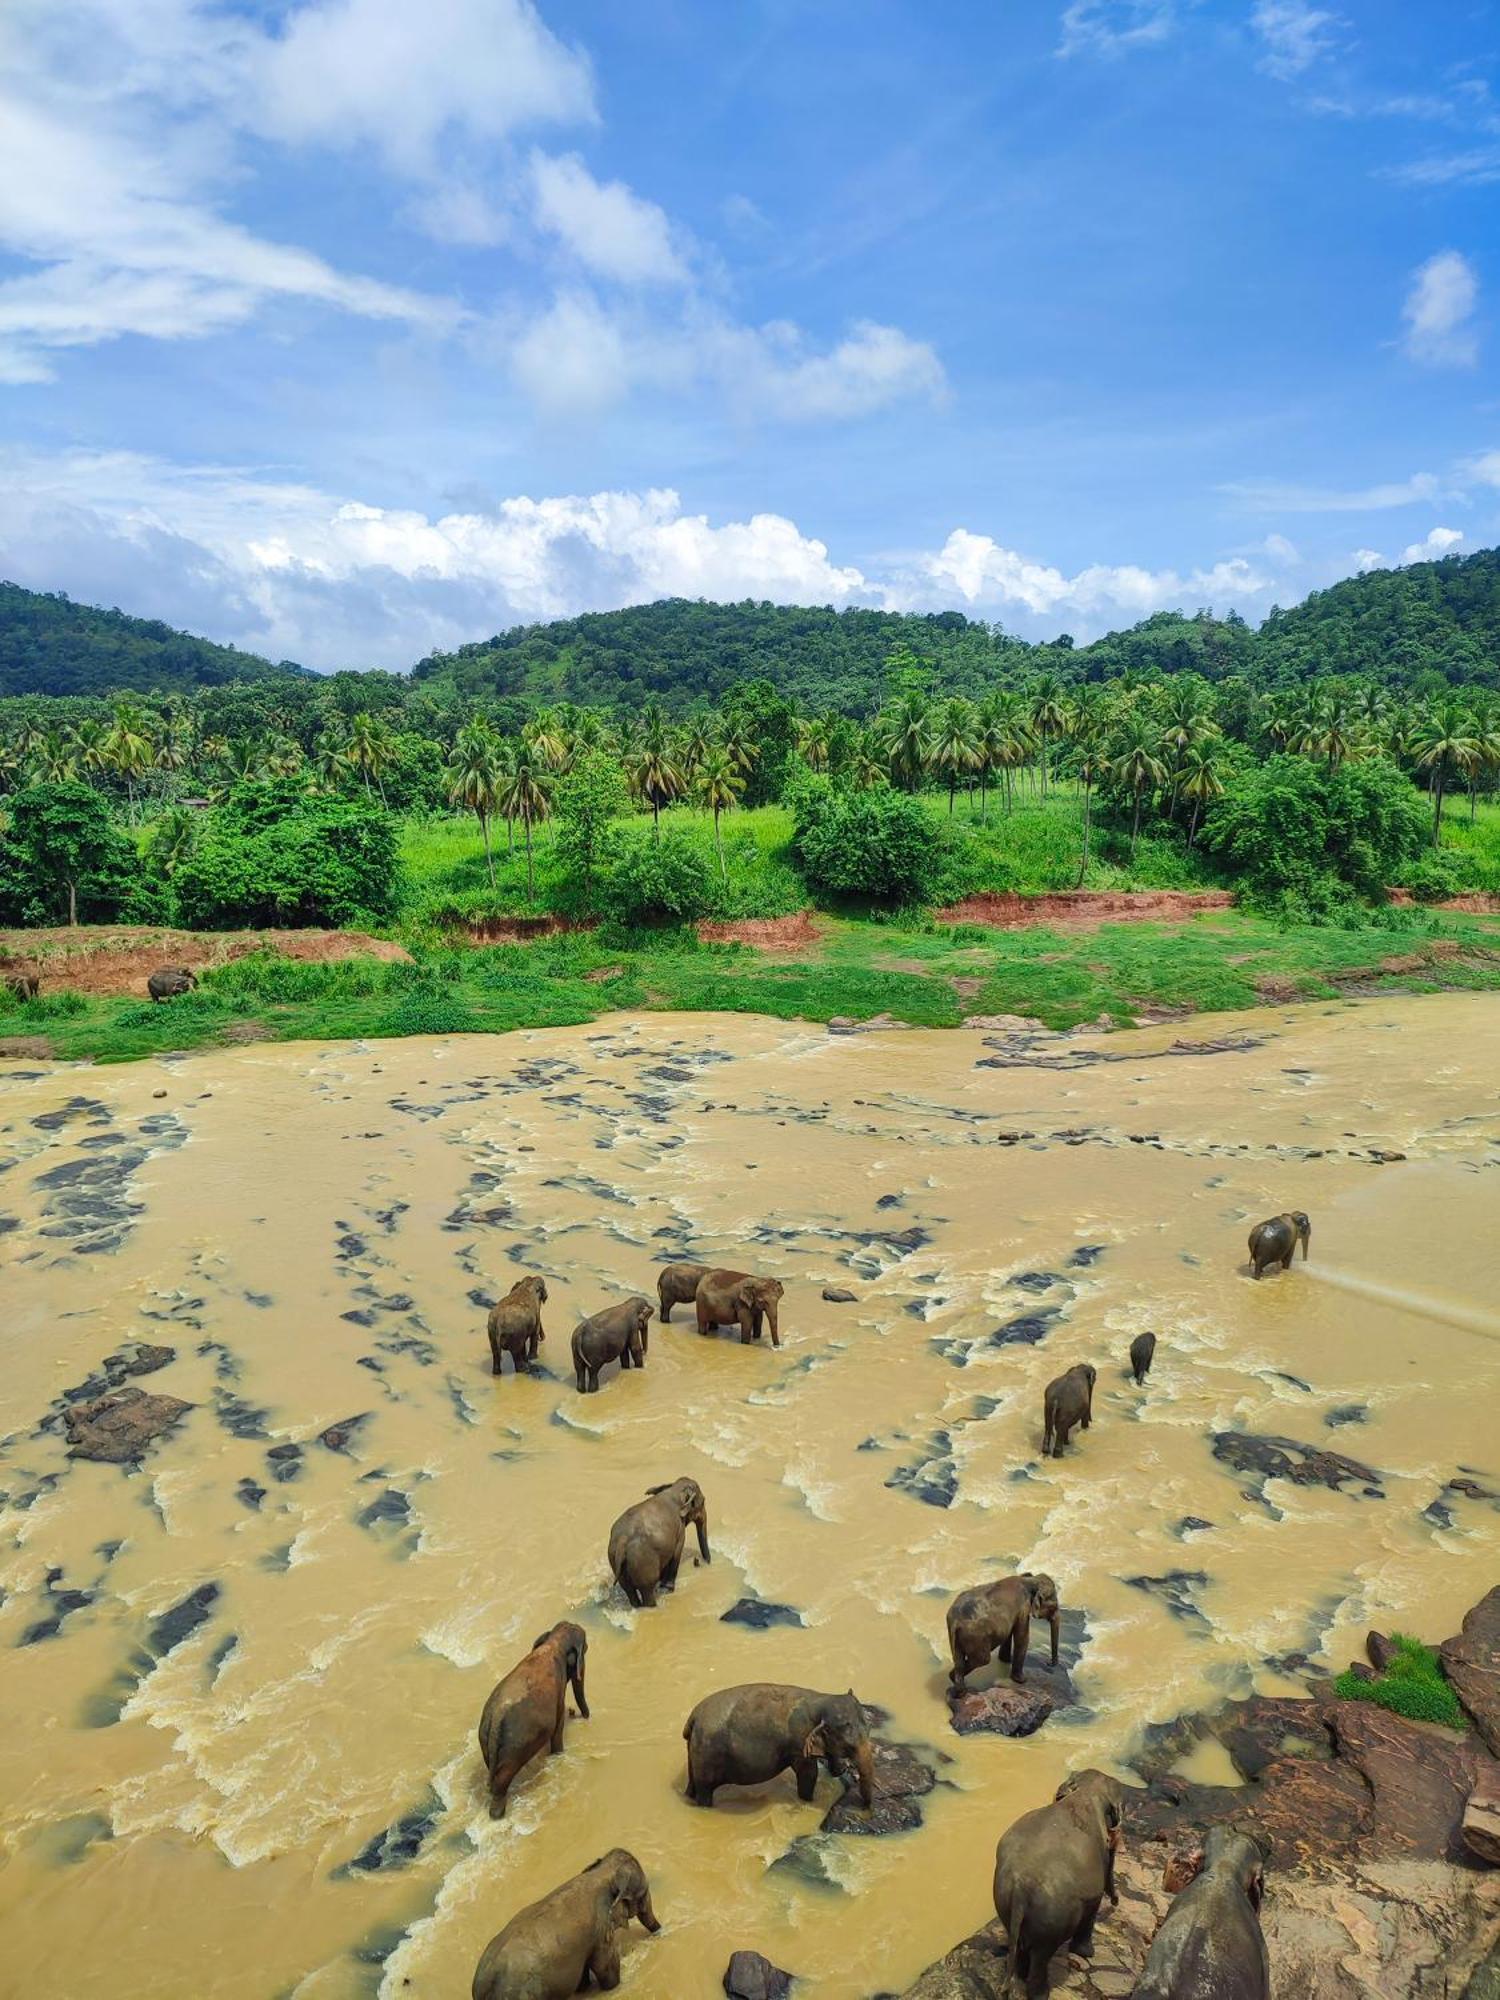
347	329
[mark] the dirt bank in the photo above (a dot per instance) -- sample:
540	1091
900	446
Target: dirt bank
768	933
1082	909
118	958
1478	902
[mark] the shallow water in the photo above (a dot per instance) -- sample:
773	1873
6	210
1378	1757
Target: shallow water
277	1791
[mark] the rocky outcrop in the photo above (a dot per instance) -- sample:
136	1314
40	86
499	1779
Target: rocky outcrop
903	1778
120	1428
1481	1821
1001	1710
1472	1663
749	1976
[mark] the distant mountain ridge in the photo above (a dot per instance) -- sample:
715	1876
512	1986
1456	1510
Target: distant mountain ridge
1410	629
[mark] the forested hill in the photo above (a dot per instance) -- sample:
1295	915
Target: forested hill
49	645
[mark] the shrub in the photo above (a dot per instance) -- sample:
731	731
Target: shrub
64	859
1411	1685
660	881
880	845
1302	835
585	806
1433	876
273	854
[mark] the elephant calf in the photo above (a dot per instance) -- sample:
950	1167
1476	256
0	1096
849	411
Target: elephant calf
619	1333
170	982
528	1711
1274	1242
1142	1352
24	985
646	1543
735	1298
1068	1402
516	1324
552	1948
1053	1869
997	1616
677	1285
748	1735
1210	1945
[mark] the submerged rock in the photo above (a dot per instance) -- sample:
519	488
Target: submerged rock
902	1779
118	1429
839	1295
748	1976
760	1615
1265	1458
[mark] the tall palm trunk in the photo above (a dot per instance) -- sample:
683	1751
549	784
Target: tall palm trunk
530	878
489	859
1135	823
719	843
1437	807
1083	861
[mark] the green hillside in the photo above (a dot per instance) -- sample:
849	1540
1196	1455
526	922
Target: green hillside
49	645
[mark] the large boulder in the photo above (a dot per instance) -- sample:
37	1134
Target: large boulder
1001	1710
121	1427
749	1976
903	1778
1472	1663
1481	1821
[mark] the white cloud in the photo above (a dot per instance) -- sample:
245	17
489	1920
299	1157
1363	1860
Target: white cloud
458	213
1366	559
1477	167
770	371
1279	497
1440	542
1293	36
1485	469
611	231
1439	312
573	360
976	571
1114	27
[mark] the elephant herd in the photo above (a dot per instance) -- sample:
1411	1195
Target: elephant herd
1054	1866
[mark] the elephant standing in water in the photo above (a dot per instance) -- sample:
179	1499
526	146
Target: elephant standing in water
1069	1401
735	1298
646	1543
1053	1869
1275	1241
748	1735
516	1324
1142	1353
618	1333
677	1285
528	1711
997	1616
550	1950
1210	1945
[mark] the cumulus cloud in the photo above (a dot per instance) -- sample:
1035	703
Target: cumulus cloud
1439	312
1293	36
609	229
1115	27
1440	542
1366	559
976	571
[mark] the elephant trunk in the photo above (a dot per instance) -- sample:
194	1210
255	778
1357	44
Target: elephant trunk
864	1764
773	1321
1306	1235
576	1677
1055	1621
700	1522
647	1915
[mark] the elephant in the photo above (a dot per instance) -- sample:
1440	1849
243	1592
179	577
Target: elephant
1069	1401
991	1616
170	982
1209	1946
24	985
646	1543
1142	1349
1275	1241
677	1285
1053	1868
618	1333
516	1324
526	1713
747	1735
550	1949
735	1298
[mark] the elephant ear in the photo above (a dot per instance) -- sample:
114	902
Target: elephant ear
540	1640
1255	1889
652	1491
813	1745
1182	1868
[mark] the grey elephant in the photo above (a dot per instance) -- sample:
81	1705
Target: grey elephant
1053	1869
1142	1352
550	1951
749	1735
677	1285
1067	1404
515	1325
24	985
1209	1946
618	1333
736	1298
1275	1241
996	1617
527	1712
646	1543
170	982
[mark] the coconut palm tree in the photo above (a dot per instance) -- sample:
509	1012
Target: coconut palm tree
547	735
813	741
954	751
693	746
129	748
654	770
866	767
1198	779
720	787
526	795
1090	764
371	749
1048	716
1445	747
474	779
907	729
1135	762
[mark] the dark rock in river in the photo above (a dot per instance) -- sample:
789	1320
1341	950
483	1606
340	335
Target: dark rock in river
397	1845
339	1436
1028	1329
751	1977
902	1779
1177	1591
1471	1661
1001	1710
1265	1458
120	1427
838	1295
760	1615
933	1479
285	1462
139	1358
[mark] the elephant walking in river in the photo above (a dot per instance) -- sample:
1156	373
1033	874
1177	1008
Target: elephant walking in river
1275	1241
515	1325
528	1711
618	1333
1067	1403
646	1542
1053	1869
996	1617
748	1735
677	1285
552	1948
735	1298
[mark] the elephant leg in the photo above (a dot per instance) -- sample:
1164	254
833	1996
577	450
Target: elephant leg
593	1381
583	1379
745	1328
1082	1941
632	1594
559	1726
757	1315
806	1769
700	1793
1018	1644
501	1779
1286	1262
669	1574
605	1965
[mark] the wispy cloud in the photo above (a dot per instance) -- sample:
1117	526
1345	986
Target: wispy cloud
1439	313
1294	36
1287	497
1478	166
1115	27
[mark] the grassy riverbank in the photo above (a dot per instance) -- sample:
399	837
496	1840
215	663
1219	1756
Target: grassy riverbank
923	973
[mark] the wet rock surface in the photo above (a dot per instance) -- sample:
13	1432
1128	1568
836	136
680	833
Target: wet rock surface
120	1428
1266	1458
1471	1661
904	1775
749	1976
1001	1710
760	1615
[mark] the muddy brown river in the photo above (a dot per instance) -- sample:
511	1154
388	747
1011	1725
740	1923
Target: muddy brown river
242	1679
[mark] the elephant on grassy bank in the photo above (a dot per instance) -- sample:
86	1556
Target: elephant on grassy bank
23	985
170	982
618	1333
1053	1869
646	1543
749	1735
1209	1946
1067	1403
1275	1241
677	1285
516	1324
993	1617
528	1711
736	1298
550	1951
1142	1352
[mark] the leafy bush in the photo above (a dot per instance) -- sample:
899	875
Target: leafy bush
64	859
1432	877
660	881
1411	1685
1303	835
879	845
276	855
585	807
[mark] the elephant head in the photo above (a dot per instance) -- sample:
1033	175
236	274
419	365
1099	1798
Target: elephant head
1236	1855
687	1497
1096	1801
571	1642
841	1737
1302	1227
764	1295
1090	1374
539	1286
645	1312
629	1891
1043	1594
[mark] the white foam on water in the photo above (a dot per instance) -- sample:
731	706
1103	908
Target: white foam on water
819	1494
